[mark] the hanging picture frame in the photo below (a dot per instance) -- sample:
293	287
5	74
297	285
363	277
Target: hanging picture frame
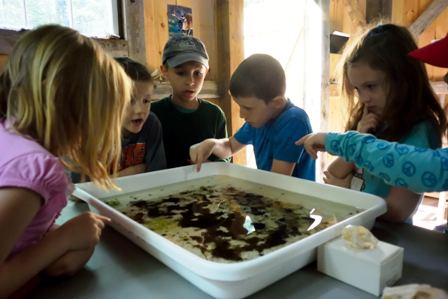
180	20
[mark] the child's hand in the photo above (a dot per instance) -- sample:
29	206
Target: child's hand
83	231
70	263
368	121
313	143
200	152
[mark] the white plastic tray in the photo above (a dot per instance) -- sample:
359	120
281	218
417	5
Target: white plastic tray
240	279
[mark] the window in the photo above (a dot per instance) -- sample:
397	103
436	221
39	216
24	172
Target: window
293	34
97	18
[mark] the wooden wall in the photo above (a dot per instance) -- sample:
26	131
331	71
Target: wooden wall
403	13
341	19
155	28
204	27
406	12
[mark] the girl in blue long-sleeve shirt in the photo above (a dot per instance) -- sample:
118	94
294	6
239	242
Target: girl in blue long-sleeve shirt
418	169
389	96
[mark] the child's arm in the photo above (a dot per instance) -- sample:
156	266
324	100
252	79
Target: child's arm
17	209
419	169
283	167
332	180
222	148
401	203
313	143
221	132
340	171
135	169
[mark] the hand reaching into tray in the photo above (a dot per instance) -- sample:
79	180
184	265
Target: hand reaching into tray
313	143
222	148
200	152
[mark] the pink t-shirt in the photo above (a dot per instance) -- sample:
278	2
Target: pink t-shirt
26	164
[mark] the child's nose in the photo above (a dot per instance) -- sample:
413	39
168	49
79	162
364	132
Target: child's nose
190	80
364	98
139	108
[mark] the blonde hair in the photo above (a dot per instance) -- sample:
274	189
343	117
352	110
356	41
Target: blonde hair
64	91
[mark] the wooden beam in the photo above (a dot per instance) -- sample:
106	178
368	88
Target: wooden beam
325	84
229	18
156	20
134	18
377	10
8	38
209	90
427	17
115	47
357	16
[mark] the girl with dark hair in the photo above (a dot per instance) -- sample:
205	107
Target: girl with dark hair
389	96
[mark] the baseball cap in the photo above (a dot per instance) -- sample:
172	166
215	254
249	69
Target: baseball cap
435	53
184	48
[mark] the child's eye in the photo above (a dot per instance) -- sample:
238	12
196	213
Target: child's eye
180	73
371	86
198	74
146	101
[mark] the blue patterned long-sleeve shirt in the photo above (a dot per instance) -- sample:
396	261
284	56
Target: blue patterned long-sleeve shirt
418	169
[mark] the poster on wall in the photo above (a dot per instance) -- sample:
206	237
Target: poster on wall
180	20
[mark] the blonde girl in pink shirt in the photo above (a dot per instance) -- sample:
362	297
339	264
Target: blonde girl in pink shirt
61	105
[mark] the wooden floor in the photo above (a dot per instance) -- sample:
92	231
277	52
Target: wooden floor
426	215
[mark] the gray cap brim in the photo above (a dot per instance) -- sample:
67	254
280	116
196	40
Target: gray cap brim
186	57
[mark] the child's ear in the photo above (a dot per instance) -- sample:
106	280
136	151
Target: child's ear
163	70
278	101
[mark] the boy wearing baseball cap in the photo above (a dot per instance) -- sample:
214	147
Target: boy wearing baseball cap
186	119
